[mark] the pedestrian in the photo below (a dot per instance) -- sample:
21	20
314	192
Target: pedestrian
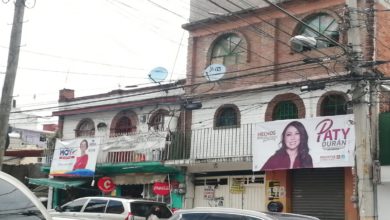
153	214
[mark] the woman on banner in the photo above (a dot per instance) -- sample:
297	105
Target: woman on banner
82	160
294	151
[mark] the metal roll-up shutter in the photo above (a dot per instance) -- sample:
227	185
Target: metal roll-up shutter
319	192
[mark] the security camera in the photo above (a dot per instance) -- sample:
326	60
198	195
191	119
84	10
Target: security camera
300	42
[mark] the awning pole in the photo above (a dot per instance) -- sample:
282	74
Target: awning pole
170	191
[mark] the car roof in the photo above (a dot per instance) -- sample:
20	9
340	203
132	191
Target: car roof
224	210
27	192
122	199
291	216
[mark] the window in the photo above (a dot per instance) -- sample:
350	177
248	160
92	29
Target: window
86	127
324	24
115	207
74	206
101	126
124	125
157	121
227	116
333	105
285	110
96	206
141	209
228	50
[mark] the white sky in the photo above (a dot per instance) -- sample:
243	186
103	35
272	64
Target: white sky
93	46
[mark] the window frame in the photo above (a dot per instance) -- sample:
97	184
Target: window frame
157	120
321	16
276	115
224	47
325	108
81	132
220	113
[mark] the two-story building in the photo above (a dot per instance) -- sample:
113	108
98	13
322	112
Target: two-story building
133	128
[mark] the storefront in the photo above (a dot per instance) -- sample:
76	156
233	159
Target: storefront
313	192
235	191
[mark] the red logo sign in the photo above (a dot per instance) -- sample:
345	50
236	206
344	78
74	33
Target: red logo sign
161	188
106	184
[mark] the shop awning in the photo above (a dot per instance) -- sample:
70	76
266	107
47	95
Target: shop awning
136	178
144	167
56	183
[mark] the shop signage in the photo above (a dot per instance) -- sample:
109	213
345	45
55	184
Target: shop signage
106	184
237	186
209	192
160	188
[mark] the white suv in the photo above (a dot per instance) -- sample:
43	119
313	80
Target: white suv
111	208
17	202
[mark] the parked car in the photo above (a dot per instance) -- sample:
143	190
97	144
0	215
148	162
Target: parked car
110	208
17	202
218	213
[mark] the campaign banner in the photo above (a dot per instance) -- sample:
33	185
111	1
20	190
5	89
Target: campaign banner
304	143
75	158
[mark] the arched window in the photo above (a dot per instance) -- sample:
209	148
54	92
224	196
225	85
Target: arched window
102	126
324	24
285	110
124	126
227	116
157	120
228	50
335	104
124	123
86	127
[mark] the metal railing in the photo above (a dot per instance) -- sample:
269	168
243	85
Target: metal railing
196	146
212	144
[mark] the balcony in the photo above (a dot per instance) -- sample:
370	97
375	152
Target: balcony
197	146
211	145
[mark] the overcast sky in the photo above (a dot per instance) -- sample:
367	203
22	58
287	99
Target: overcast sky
93	46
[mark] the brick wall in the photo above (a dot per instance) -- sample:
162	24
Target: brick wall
259	32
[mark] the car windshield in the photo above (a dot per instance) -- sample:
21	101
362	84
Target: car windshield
15	205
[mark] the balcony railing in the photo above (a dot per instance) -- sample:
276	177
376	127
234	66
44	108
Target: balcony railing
212	144
196	146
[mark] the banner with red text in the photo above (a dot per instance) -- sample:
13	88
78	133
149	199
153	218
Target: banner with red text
75	157
330	142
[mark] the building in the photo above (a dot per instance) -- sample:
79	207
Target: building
269	77
133	128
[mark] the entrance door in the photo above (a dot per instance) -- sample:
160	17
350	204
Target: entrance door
319	192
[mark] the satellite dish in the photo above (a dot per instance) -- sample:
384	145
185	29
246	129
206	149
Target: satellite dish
158	74
214	72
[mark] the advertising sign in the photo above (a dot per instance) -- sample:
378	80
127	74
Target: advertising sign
106	184
209	192
160	188
75	158
304	143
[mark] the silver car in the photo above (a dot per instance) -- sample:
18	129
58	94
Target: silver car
217	213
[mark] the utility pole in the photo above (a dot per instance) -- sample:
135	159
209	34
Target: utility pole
361	99
10	75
